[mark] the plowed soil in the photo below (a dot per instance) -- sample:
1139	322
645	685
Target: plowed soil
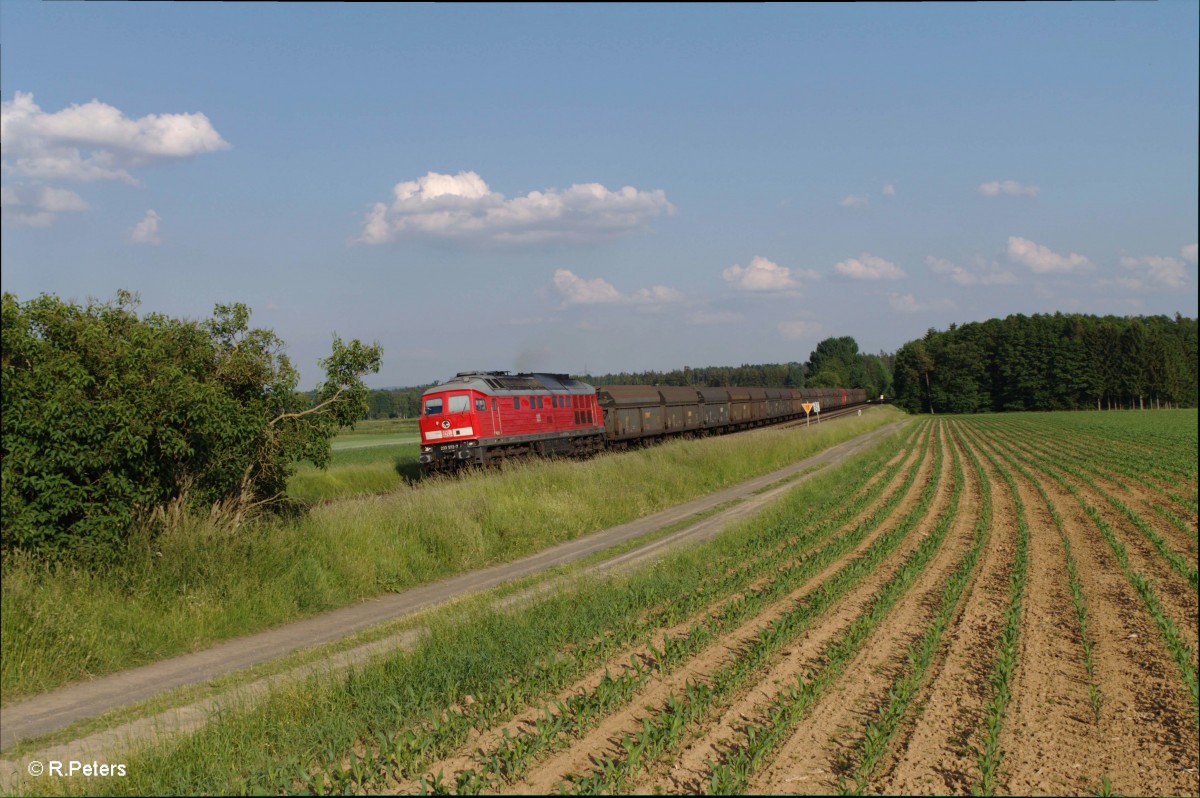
1124	721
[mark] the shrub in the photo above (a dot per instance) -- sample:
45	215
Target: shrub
107	416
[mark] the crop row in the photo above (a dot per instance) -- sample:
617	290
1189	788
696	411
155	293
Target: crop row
394	757
1079	601
666	729
1080	471
1178	649
762	736
1105	457
562	719
989	754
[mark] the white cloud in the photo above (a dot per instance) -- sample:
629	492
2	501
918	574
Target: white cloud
656	295
1041	259
794	330
1156	271
889	190
38	205
989	276
1010	187
576	290
764	275
907	303
1189	253
715	317
146	231
854	201
95	141
869	267
462	207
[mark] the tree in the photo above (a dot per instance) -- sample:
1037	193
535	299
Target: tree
107	416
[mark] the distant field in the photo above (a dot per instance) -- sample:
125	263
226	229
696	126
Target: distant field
381	427
374	457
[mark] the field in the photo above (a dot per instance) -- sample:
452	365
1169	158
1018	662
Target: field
374	457
995	605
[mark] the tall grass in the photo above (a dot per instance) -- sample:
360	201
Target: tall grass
196	584
493	655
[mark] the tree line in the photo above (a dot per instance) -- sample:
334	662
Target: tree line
1050	362
835	363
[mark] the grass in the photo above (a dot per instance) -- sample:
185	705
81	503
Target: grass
197	584
502	659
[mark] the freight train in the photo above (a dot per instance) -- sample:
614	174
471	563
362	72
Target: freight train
481	417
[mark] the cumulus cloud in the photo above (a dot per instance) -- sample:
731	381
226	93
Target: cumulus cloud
869	267
907	303
795	330
1189	253
37	205
988	275
1041	259
463	207
764	275
1153	271
146	231
575	290
96	141
889	190
1009	187
854	201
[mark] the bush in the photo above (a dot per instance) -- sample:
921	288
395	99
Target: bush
107	416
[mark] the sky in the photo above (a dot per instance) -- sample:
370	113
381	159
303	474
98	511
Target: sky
601	188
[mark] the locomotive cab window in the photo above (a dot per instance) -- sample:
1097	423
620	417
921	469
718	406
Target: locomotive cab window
433	406
481	405
459	403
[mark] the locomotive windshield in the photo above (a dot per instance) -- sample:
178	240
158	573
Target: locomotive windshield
459	403
433	406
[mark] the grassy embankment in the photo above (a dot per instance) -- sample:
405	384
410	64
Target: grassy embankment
374	457
197	584
503	658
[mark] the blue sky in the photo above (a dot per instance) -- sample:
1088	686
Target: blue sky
602	187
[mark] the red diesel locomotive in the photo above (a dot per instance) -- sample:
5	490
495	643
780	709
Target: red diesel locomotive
481	416
484	416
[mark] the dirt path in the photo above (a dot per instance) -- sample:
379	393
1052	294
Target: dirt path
53	711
